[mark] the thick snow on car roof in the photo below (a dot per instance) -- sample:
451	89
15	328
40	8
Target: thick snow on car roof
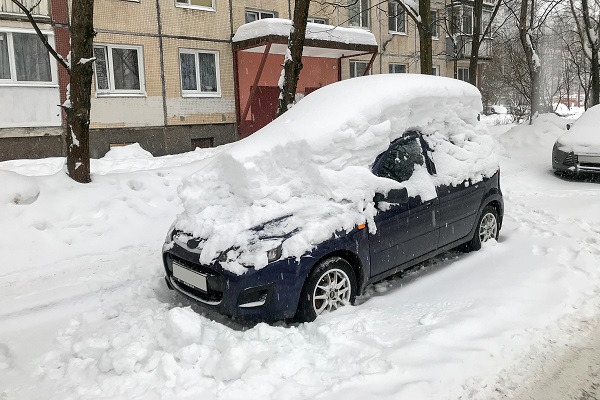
311	168
583	137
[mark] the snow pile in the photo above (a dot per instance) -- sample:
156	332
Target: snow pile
282	27
583	137
129	151
17	189
307	174
85	313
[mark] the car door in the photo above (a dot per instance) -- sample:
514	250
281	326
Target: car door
458	206
408	229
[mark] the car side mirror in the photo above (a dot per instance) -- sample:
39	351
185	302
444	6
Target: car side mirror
394	196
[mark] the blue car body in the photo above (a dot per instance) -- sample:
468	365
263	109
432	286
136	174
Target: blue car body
407	234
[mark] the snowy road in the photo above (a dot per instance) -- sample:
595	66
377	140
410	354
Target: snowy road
572	373
85	314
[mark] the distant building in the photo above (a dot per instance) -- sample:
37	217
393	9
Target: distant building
168	75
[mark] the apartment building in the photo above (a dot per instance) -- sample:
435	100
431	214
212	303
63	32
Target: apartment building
169	76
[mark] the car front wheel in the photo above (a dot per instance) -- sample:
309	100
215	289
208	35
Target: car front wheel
487	228
330	285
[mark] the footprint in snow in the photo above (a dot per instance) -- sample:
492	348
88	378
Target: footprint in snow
4	357
428	319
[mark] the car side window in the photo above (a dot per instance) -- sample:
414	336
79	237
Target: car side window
401	159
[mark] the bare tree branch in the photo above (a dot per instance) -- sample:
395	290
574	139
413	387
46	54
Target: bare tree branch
50	49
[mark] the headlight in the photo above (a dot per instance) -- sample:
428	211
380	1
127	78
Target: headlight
170	233
274	254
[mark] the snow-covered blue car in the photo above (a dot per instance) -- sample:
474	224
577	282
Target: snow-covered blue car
338	193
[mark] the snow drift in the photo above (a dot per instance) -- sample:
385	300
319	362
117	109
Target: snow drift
308	173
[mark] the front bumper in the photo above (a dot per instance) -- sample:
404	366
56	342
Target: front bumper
268	294
575	163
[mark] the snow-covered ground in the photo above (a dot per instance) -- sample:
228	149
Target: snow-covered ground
85	313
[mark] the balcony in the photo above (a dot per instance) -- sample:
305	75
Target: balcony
464	46
39	8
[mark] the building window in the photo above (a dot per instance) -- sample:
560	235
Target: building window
321	21
396	18
486	16
255	15
435	29
119	69
199	73
435	70
397	68
358	13
463	74
462	20
358	68
199	4
24	59
467	20
203	143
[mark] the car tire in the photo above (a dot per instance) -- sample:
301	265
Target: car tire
487	228
330	285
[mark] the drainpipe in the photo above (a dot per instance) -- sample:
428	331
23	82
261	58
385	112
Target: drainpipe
162	62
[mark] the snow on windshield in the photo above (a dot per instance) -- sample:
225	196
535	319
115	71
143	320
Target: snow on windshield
311	168
583	136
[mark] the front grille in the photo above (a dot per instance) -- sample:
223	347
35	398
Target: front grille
211	296
570	160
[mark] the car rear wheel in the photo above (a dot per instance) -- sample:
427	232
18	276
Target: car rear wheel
487	229
330	285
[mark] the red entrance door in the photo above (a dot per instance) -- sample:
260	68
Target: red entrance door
264	106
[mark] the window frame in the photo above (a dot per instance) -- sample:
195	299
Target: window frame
399	9
484	23
463	69
13	80
463	15
112	91
186	4
435	68
354	63
435	26
260	13
365	12
393	64
313	19
198	92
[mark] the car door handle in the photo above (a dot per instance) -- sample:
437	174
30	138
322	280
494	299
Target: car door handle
428	204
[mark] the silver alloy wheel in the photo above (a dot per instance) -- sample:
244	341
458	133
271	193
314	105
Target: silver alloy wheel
488	229
332	291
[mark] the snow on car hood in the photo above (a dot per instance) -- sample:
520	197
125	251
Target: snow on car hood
583	137
313	166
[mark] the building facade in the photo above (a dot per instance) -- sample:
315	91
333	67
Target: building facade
164	74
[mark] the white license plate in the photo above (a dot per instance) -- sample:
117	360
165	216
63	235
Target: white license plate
190	277
589	159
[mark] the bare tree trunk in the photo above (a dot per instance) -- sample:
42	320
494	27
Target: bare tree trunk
78	116
292	64
591	33
425	45
476	41
533	62
80	72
